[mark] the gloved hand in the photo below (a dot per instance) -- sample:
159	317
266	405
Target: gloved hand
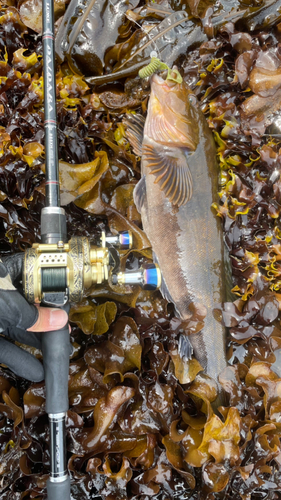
22	322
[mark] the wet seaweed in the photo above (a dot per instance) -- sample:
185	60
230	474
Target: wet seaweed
140	423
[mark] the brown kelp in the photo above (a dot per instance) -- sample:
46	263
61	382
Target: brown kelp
88	29
169	39
162	440
123	47
95	52
31	13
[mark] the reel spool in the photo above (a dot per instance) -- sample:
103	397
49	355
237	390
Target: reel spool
59	272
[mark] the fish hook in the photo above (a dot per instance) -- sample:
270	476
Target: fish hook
156	65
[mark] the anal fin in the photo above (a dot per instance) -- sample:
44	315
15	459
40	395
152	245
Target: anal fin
163	289
185	348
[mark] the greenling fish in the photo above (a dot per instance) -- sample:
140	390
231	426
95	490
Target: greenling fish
174	196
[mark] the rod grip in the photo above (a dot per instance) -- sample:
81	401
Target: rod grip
56	349
58	491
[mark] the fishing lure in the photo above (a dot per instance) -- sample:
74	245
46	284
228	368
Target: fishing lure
157	65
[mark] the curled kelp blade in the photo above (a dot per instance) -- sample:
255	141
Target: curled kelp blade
174	36
265	82
245	15
265	77
31	13
149	10
88	29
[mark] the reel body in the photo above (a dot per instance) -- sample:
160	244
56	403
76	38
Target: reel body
54	273
68	268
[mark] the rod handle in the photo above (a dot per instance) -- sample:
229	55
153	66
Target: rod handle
56	349
58	491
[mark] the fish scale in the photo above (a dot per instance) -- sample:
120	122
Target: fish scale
188	249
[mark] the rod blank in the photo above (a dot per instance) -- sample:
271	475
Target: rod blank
51	142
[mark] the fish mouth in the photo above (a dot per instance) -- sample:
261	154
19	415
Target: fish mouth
157	79
167	84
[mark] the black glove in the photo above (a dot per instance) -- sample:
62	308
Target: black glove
17	317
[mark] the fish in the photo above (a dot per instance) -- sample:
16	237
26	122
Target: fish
178	185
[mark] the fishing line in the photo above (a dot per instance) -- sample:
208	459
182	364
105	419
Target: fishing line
154	53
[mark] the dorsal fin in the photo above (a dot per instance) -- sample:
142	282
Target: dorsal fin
134	124
140	194
163	289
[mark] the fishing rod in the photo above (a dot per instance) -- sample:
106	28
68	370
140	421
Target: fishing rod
57	271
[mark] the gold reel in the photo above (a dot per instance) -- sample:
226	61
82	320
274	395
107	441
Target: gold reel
63	267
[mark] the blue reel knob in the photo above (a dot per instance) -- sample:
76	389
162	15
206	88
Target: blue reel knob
151	277
148	277
125	240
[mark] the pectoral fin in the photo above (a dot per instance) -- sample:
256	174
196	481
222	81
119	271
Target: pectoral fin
171	171
134	131
140	194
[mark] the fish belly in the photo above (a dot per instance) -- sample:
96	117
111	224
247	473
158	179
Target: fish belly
189	247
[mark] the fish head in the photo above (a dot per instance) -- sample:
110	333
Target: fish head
172	117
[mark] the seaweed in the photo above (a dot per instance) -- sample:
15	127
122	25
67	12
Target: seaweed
141	422
170	39
87	30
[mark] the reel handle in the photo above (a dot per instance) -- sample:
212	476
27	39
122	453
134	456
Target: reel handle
148	277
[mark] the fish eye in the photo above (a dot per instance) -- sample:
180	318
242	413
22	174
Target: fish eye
192	99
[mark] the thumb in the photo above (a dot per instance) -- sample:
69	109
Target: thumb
49	319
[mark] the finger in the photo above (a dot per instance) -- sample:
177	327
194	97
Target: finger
21	362
49	319
15	311
32	339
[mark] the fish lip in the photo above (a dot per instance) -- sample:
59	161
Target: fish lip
158	79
